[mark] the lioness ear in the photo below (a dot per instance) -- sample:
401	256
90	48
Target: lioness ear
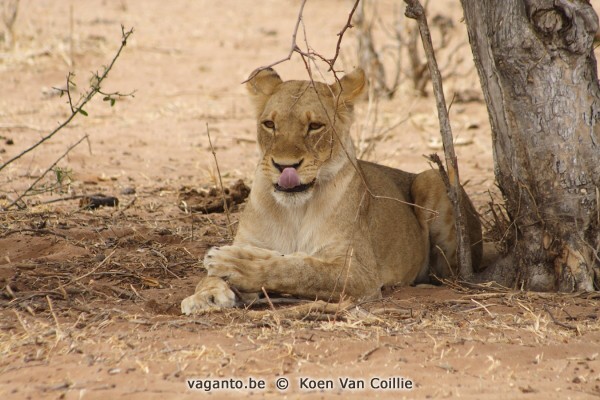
352	85
261	85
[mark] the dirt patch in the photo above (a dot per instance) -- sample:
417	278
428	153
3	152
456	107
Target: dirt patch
89	299
212	200
37	249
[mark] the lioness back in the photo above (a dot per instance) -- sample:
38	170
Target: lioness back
399	242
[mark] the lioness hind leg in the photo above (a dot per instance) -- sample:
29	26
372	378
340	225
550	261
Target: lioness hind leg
428	191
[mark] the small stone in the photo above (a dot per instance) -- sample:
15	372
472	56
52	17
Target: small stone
128	190
527	389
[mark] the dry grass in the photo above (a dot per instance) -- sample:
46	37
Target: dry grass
117	306
54	304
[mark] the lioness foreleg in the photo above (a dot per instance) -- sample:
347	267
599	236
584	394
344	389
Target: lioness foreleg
250	269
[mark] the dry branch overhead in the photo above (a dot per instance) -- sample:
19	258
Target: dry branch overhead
414	10
341	35
309	53
78	107
293	48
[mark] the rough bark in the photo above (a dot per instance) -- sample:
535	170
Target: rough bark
538	73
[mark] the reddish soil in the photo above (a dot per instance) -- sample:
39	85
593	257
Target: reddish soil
89	299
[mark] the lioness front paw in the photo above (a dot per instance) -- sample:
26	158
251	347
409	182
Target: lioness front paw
242	267
213	293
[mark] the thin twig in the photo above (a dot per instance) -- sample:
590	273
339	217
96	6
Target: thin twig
32	186
84	100
293	48
485	307
74	197
51	307
349	258
38	231
341	36
365	356
225	206
557	322
415	10
268	298
68	91
95	268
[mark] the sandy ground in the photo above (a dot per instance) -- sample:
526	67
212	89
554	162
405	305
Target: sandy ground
89	300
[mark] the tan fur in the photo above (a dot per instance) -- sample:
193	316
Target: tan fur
333	239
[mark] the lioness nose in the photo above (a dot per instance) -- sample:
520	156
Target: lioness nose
281	167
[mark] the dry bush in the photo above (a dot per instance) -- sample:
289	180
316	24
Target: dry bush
389	49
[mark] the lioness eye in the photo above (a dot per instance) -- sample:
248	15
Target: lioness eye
315	126
269	124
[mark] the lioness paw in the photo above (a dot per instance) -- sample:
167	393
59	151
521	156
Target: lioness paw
215	294
242	267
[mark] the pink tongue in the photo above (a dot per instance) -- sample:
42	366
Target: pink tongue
289	178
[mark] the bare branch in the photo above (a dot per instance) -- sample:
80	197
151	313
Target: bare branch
293	48
309	53
68	91
32	186
77	108
341	36
415	10
225	206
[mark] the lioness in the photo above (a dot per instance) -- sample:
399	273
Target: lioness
321	224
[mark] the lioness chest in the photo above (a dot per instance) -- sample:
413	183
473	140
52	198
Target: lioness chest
322	225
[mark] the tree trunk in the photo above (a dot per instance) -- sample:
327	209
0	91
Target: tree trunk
538	73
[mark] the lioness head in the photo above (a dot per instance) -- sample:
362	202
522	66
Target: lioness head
303	131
